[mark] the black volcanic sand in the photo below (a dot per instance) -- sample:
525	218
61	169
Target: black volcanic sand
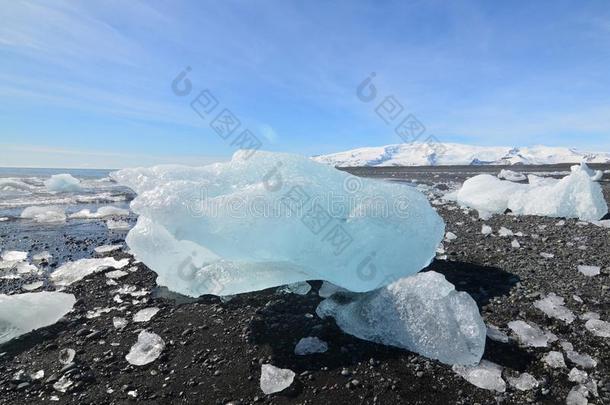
214	350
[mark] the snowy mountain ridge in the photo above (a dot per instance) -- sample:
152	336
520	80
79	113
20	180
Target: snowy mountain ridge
424	154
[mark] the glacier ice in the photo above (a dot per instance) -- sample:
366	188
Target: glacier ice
598	327
102	212
422	313
117	225
268	219
310	345
511	176
485	375
494	333
14	256
107	248
44	214
574	196
589	271
300	288
62	183
66	356
486	230
145	315
531	335
70	272
327	289
553	306
554	359
524	382
22	313
274	379
146	350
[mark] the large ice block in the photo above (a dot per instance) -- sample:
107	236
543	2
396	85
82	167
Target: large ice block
271	219
422	313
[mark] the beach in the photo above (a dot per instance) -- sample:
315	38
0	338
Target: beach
214	347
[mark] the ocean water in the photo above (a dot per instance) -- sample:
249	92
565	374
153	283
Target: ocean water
24	187
72	239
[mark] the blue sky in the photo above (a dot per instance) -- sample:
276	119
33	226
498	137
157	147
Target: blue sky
88	83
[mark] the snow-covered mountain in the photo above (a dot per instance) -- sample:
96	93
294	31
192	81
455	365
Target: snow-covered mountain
424	154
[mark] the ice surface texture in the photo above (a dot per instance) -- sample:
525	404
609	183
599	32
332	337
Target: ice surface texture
422	313
264	221
22	313
62	183
71	272
574	196
146	350
274	379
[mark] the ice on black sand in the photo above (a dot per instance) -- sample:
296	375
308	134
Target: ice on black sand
274	379
146	350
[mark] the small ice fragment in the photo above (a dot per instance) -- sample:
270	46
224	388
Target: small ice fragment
560	223
494	333
133	393
577	298
524	382
71	272
511	176
117	225
116	274
14	256
63	384
449	236
484	215
578	376
146	350
44	214
37	375
504	232
145	315
553	306
275	379
327	289
598	327
299	288
119	323
554	359
62	183
25	268
44	256
22	313
32	286
515	244
547	255
95	313
531	334
309	345
108	248
485	375
66	356
582	360
486	230
102	212
578	396
589	315
589	271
